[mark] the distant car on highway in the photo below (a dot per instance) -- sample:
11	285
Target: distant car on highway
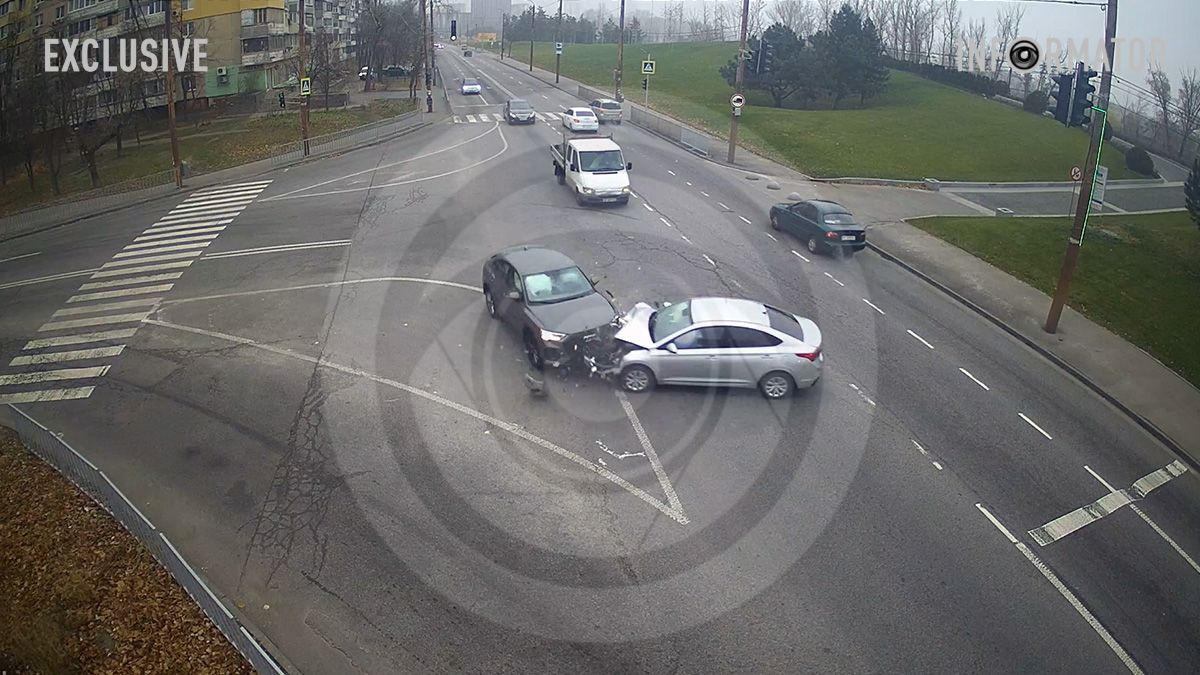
470	86
547	297
823	225
580	119
466	52
518	111
606	110
726	342
365	72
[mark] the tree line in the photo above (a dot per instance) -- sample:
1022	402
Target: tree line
541	26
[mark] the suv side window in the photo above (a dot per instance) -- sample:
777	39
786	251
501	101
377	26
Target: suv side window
748	338
712	337
595	104
512	278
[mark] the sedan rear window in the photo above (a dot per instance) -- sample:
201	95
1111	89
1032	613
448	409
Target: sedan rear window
839	218
583	113
611	105
785	323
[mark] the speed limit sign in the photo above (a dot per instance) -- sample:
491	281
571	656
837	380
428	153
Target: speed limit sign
1076	173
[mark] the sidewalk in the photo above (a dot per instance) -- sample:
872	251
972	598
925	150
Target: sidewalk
1156	397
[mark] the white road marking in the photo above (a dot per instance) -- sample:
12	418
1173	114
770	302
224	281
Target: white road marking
648	207
46	395
684	237
704	193
175	238
105	307
151	259
1066	593
745	220
976	379
922	339
283	248
545	97
225	204
471	118
689	183
509	427
136	317
651	455
834	280
131	280
81	338
710	260
228	193
180	219
159	247
458	119
665	221
798	255
1106	505
771	236
670	172
214	200
329	284
54	375
46	279
18	257
872	305
937	465
723	206
1158	530
1035	426
104	295
862	393
214	190
104	274
187	231
190	225
73	355
920	448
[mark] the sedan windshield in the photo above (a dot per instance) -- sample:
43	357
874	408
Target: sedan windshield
556	286
669	320
604	160
468	83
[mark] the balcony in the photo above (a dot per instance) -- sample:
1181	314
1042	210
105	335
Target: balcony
264	29
260	58
98	9
107	33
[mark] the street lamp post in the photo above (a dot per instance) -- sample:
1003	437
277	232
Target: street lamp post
737	84
532	14
620	54
557	42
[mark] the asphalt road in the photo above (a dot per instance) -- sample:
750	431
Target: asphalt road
320	414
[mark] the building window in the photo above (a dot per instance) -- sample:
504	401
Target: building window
187	5
154	87
60	12
77	5
260	16
107	97
81	26
145	9
188	83
258	44
37	20
20	4
4	8
189	28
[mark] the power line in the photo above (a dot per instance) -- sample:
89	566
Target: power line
1067	2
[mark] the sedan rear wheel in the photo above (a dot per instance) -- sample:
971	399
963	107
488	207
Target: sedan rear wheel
637	378
813	244
776	385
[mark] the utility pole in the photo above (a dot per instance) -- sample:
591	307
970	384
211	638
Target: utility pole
532	14
735	114
171	100
503	26
303	37
425	46
1071	259
432	52
620	54
557	41
646	97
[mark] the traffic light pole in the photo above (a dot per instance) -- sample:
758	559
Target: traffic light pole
1071	259
737	84
532	16
646	98
300	75
557	42
620	55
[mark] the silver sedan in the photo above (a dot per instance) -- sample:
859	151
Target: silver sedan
725	342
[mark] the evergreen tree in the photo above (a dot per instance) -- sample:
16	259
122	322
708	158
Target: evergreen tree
1191	192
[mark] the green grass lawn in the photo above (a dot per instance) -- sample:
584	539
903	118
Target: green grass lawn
1137	275
237	141
917	129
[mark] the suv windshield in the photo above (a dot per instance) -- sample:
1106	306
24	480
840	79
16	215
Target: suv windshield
604	160
517	104
556	286
669	320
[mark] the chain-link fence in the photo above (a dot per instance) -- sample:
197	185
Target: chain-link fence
90	479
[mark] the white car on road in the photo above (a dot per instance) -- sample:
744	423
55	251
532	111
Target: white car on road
580	119
470	86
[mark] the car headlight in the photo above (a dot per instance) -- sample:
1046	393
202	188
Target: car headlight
625	190
551	336
588	191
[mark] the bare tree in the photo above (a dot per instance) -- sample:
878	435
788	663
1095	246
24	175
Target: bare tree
951	28
795	14
825	10
1187	113
976	35
1160	87
1008	28
756	20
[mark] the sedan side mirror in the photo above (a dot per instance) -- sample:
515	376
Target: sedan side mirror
513	295
672	348
629	166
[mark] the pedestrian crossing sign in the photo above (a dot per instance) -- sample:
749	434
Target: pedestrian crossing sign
647	67
306	86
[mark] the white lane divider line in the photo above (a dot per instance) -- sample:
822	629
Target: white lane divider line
1035	426
872	306
771	236
72	355
1066	593
835	280
964	371
1106	505
47	395
663	480
18	257
921	339
797	254
723	206
54	375
704	193
46	279
670	172
282	248
932	460
648	207
710	260
1153	525
81	338
665	221
105	295
745	220
862	393
689	183
684	237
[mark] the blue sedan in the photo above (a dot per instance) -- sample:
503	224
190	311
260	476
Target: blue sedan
823	226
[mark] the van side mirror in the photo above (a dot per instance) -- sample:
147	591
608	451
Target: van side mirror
629	166
672	348
574	167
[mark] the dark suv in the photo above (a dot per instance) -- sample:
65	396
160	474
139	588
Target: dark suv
545	295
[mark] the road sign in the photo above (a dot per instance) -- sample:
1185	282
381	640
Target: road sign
306	86
558	48
1098	188
647	67
737	100
1076	173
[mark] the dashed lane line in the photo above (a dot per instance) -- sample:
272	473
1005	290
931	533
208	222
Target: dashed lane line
874	307
745	220
922	340
798	255
834	279
1035	426
771	236
977	381
665	221
710	260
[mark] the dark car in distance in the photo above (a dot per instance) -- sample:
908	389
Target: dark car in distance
518	111
548	299
822	225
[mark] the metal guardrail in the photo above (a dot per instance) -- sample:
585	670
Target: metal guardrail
87	477
81	204
671	130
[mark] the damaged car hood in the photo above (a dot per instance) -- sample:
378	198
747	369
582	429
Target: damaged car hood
636	328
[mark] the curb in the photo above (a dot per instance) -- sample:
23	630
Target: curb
1158	434
201	184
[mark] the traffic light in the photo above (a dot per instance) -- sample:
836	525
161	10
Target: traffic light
1081	106
645	83
768	50
1063	85
282	101
453	30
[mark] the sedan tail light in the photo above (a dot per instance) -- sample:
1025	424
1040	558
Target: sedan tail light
831	235
812	356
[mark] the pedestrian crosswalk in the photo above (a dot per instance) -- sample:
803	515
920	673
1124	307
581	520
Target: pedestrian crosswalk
108	308
492	118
